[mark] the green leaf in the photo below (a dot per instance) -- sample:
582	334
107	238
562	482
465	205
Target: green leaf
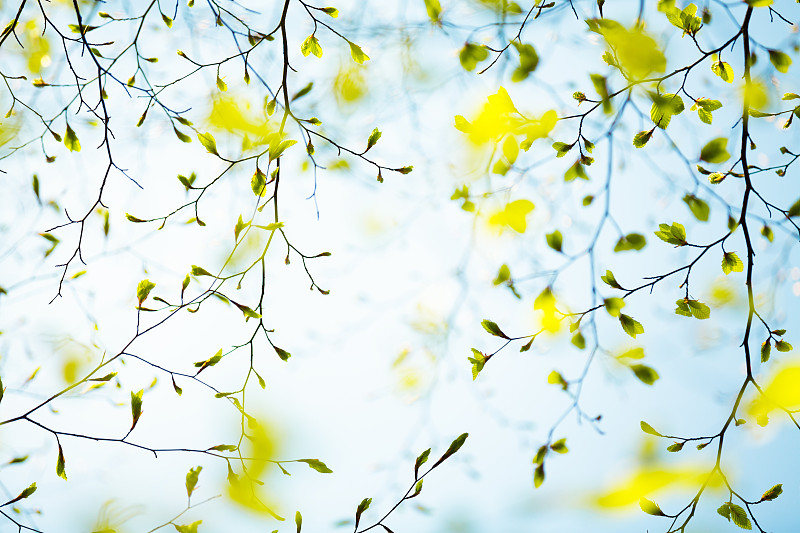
211	361
555	378
705	107
191	479
283	354
759	3
715	151
60	464
767	233
675	447
357	53
434	9
221	85
207	140
646	374
136	406
555	240
246	311
780	61
562	148
317	465
143	290
494	329
311	46
631	241
363	506
373	139
772	493
71	140
698	207
224	448
188	528
766	347
731	263
641	138
454	447
560	446
613	305
664	107
298	519
182	136
794	211
695	308
783	346
647	428
734	512
422	459
417	490
25	493
528	61
723	70
471	55
167	20
610	280
538	476
578	340
576	171
200	271
650	507
674	234
601	86
178	390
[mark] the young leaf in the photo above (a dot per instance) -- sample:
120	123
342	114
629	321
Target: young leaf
631	241
143	290
357	53
560	446
641	138
610	280
555	240
538	475
631	326
698	207
317	465
373	138
188	528
772	493
422	459
723	70
780	61
715	151
783	346
766	347
494	329
650	507
60	464
298	519
136	406
731	263
454	447
283	354
674	234
207	140
646	374
71	140
647	428
363	506
191	479
311	46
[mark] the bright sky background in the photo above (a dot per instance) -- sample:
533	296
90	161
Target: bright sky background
379	367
